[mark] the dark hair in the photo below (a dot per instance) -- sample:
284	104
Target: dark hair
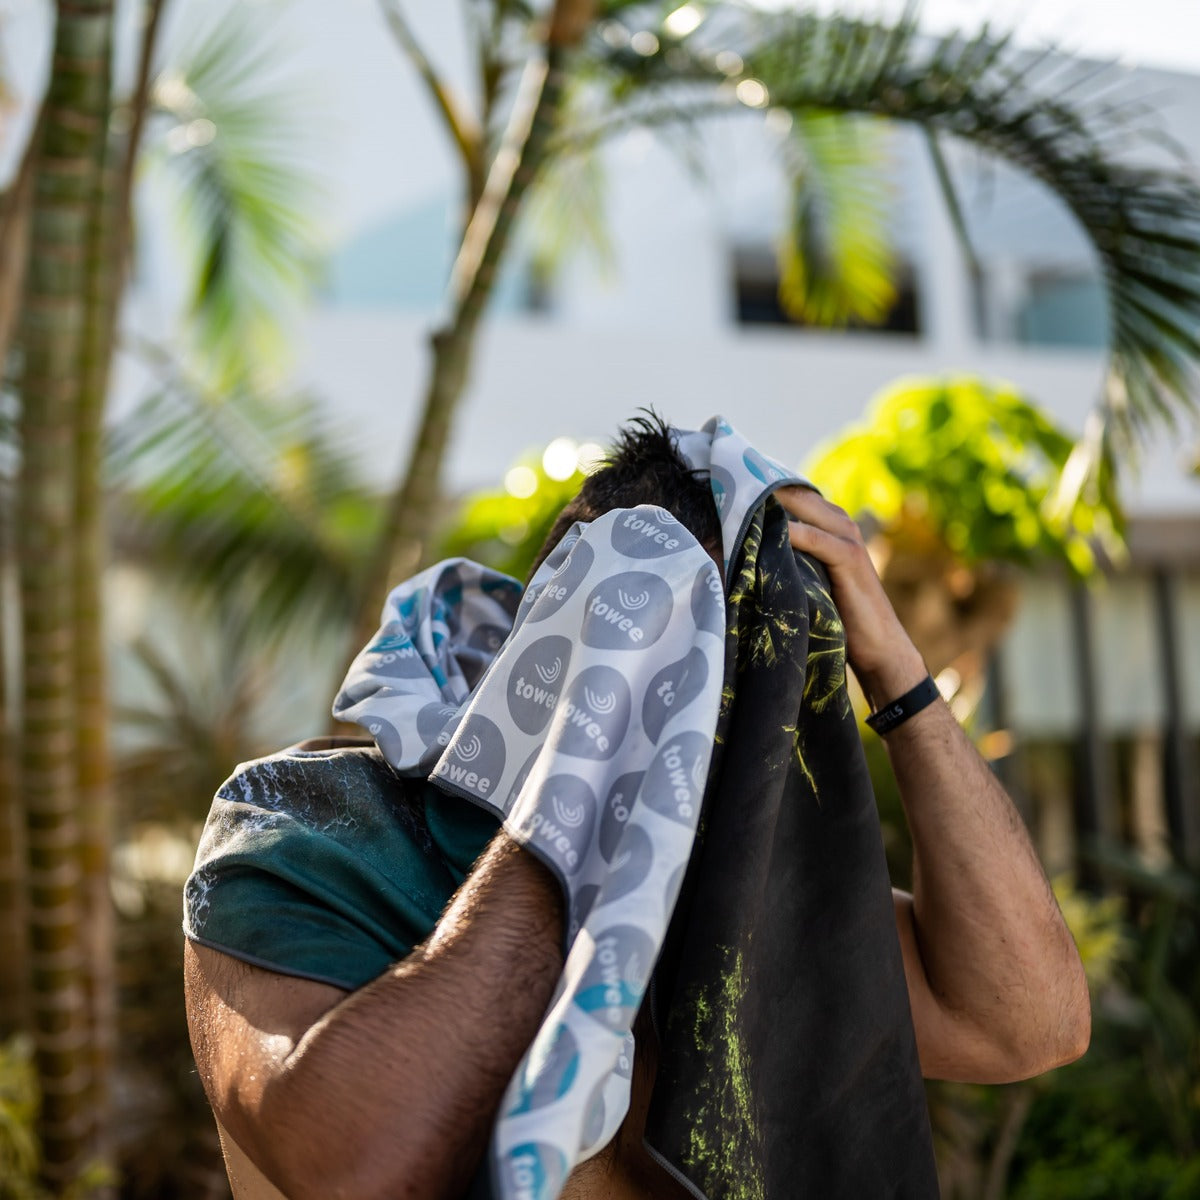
644	466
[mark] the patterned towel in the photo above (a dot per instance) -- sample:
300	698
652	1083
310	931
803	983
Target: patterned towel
588	729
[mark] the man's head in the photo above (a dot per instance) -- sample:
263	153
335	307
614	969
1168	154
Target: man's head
644	466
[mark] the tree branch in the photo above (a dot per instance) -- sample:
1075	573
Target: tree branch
463	129
139	103
15	207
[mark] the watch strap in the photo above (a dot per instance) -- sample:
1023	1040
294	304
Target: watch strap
895	713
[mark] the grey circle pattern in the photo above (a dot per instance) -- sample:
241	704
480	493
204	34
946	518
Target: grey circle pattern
672	689
606	684
535	682
561	827
629	611
556	1071
595	713
648	532
544	599
618	804
708	603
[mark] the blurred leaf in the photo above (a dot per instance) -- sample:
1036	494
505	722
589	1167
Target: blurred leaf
836	260
566	211
251	497
506	531
1054	117
979	465
233	140
1097	925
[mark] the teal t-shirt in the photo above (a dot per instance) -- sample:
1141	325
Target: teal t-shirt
322	862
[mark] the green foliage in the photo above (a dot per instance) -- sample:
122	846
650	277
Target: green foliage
1057	119
1125	1120
253	499
1097	925
835	256
1101	1167
978	464
232	139
20	1153
504	530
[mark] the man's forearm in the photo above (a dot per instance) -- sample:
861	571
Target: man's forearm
995	981
995	950
393	1091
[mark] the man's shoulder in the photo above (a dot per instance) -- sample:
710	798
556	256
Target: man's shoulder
329	784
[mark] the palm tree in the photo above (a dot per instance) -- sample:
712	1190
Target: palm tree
53	341
595	70
65	235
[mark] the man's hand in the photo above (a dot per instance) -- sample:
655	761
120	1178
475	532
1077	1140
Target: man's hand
994	979
884	659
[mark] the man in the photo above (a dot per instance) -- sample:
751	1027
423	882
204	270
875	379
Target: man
387	1083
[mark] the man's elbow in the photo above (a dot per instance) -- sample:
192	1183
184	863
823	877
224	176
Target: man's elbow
1075	1031
1057	1033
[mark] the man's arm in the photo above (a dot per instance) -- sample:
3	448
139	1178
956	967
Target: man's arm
389	1091
996	984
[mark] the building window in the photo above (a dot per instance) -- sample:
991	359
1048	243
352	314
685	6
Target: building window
1062	310
756	297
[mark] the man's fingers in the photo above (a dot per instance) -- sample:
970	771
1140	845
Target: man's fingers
820	543
803	504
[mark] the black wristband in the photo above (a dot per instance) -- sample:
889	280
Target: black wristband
899	710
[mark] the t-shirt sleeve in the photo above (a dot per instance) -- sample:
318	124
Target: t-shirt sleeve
319	864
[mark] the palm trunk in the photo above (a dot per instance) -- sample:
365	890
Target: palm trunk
409	517
14	934
14	940
52	338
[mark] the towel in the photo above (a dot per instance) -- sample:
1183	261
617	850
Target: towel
607	729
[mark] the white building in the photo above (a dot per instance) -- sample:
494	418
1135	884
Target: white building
683	319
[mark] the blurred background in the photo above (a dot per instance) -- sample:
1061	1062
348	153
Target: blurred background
294	299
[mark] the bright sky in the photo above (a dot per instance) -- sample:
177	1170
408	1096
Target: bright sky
1159	33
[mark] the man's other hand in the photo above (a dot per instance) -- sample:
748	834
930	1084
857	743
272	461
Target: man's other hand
882	654
995	983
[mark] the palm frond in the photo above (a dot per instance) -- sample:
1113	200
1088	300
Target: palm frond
835	256
233	139
566	211
1078	130
249	498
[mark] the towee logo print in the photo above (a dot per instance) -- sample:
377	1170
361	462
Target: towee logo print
474	760
676	778
387	738
534	1171
724	489
630	865
617	806
649	532
536	680
765	469
555	1071
392	654
627	612
708	600
673	689
436	723
613	983
563	823
546	599
594	714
